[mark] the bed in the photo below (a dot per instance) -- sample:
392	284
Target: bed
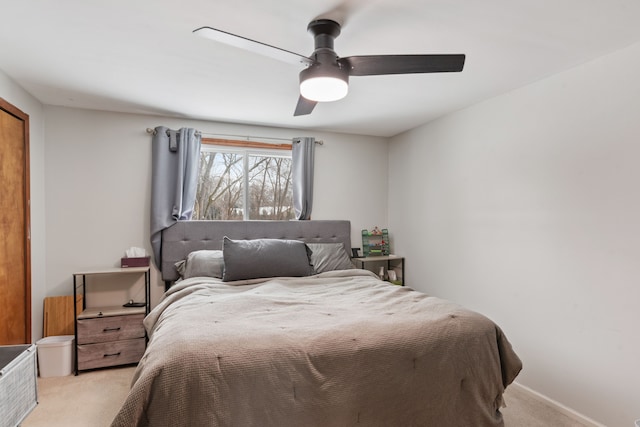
327	346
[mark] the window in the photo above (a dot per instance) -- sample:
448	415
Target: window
228	168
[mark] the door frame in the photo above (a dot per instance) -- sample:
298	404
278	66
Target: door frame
24	117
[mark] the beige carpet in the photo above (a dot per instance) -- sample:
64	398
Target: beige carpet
92	399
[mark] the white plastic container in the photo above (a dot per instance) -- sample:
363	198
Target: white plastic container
55	355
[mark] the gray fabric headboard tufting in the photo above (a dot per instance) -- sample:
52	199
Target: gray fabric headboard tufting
188	236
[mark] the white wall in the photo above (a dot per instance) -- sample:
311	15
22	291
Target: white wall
98	185
18	97
527	208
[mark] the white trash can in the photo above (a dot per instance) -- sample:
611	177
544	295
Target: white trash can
55	355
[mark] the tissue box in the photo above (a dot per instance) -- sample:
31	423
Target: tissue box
134	262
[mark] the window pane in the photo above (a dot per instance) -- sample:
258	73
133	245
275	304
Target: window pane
270	192
220	182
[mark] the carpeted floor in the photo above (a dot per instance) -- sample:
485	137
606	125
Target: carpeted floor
92	399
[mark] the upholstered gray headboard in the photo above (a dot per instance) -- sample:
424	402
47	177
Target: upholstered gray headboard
187	236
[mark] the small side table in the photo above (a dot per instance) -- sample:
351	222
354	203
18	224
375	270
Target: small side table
389	262
109	335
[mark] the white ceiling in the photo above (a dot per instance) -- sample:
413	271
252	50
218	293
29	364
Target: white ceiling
140	56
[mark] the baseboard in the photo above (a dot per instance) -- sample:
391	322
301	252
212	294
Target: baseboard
558	406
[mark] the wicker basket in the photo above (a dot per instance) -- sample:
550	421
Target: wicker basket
18	383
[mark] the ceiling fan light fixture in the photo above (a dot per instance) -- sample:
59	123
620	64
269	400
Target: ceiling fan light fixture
323	84
324	89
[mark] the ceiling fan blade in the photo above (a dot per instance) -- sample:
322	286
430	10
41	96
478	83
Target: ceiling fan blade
304	107
374	65
252	46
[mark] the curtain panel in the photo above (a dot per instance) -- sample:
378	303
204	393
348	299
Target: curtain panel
302	157
174	180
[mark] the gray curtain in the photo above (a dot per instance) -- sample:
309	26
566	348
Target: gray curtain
174	180
302	156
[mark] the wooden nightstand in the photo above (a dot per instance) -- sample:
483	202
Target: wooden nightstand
109	335
389	262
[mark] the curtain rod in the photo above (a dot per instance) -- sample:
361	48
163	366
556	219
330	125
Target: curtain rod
247	137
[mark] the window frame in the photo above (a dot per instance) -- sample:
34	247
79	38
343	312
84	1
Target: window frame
247	148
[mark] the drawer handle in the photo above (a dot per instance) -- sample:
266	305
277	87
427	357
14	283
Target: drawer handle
112	354
110	329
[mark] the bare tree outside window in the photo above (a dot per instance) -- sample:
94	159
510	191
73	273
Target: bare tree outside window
224	175
270	192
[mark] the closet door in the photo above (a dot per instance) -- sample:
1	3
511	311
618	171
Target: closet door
15	248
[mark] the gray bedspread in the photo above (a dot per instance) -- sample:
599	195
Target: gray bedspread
337	349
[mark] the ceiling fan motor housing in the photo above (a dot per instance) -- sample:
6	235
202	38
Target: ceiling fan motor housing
330	69
325	60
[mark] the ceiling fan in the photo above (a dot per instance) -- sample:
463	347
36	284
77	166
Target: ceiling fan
326	76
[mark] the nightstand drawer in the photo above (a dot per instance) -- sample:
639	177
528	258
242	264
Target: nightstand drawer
110	328
91	356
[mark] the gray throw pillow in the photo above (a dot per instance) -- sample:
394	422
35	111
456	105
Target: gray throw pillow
329	257
204	263
250	259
